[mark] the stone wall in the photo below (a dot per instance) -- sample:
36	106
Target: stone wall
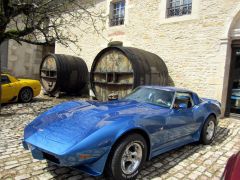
190	46
4	55
24	60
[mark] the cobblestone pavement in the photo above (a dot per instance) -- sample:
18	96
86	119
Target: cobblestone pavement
193	161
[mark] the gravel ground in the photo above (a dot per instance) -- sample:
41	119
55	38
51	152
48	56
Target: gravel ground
193	161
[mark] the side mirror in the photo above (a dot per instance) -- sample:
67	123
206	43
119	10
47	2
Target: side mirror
182	106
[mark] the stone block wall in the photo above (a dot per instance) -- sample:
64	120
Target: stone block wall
190	45
24	60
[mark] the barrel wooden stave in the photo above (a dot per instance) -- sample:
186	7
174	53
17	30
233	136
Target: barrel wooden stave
121	69
71	74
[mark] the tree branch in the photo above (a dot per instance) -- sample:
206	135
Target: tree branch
43	22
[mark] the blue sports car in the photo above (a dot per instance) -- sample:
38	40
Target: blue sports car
117	137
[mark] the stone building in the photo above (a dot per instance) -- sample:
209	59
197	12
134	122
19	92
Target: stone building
22	60
197	39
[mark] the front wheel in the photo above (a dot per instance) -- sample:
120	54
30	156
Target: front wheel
208	131
127	158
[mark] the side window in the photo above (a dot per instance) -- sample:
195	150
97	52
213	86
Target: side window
4	79
184	98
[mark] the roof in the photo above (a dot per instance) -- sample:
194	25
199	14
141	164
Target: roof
168	88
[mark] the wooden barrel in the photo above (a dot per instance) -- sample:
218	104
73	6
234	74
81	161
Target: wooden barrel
121	69
63	73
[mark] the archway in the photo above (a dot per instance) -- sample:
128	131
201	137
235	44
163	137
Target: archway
231	77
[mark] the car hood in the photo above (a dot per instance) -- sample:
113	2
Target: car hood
67	124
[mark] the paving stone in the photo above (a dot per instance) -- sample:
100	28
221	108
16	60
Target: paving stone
179	175
172	178
201	169
45	176
193	176
144	172
37	172
157	178
158	165
62	170
4	157
23	176
202	177
208	174
75	177
11	166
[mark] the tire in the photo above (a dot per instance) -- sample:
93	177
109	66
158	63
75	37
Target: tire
208	130
25	95
118	167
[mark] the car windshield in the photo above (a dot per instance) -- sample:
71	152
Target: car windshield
153	96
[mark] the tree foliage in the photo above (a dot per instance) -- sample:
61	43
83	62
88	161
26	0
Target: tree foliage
42	22
47	21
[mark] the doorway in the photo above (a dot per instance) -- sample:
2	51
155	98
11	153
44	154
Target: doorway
233	105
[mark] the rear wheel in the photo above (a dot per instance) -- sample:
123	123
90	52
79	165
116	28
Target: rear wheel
25	95
127	158
208	131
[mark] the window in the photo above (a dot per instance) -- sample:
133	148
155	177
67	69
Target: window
5	80
179	7
118	13
183	98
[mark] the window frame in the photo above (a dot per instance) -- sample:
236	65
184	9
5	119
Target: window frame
115	18
180	7
163	19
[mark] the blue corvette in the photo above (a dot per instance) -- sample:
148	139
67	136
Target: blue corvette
119	136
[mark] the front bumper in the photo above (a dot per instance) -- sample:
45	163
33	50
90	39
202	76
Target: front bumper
93	165
40	154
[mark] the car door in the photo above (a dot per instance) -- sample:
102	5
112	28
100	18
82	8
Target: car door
181	122
157	125
7	89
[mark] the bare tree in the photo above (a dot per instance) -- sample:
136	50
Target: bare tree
42	22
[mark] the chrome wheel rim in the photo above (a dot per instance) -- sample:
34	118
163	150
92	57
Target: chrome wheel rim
131	158
26	95
210	130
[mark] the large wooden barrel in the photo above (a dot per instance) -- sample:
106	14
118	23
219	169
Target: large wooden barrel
63	73
119	70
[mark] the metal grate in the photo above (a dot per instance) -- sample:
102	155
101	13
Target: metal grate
117	21
179	7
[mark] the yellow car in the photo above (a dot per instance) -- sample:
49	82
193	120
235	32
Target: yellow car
22	90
